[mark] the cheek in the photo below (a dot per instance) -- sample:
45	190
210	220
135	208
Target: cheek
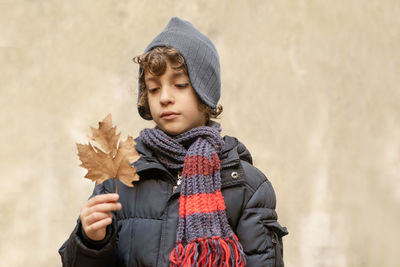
196	110
202	118
199	115
151	104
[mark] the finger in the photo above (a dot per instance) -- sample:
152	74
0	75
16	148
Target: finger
104	207
97	216
103	198
86	210
98	225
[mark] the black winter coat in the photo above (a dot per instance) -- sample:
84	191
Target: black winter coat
143	232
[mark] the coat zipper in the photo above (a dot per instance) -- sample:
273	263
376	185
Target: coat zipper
178	182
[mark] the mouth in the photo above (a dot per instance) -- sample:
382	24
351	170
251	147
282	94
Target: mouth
169	115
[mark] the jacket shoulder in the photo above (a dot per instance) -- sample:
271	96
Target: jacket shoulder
262	191
236	151
253	176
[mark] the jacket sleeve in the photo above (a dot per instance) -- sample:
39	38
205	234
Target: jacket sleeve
258	230
79	251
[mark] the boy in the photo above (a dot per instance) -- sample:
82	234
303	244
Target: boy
199	201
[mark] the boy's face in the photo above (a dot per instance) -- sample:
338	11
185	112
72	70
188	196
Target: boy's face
173	103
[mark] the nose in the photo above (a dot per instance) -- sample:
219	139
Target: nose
166	96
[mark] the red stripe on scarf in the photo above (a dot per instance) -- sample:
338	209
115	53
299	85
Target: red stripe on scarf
201	203
200	165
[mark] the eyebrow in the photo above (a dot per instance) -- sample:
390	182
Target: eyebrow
152	78
178	75
173	76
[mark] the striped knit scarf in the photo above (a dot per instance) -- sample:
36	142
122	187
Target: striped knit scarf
204	237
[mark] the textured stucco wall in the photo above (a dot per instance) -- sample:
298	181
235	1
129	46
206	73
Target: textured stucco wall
311	87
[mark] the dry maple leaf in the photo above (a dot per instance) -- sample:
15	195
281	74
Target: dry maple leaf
106	158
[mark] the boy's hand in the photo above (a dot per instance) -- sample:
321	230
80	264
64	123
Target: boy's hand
96	215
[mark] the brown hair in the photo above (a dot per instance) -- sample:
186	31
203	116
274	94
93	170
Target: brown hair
155	62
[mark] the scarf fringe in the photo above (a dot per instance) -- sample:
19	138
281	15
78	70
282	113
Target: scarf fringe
209	252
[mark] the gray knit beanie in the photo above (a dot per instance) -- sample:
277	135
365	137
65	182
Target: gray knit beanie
201	58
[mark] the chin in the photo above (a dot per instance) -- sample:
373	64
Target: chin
172	132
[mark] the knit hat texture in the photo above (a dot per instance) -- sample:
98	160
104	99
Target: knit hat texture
201	58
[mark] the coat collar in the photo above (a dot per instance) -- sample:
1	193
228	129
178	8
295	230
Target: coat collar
232	152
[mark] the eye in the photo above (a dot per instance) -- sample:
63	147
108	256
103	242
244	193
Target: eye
153	90
182	85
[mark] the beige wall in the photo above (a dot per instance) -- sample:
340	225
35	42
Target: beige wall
311	87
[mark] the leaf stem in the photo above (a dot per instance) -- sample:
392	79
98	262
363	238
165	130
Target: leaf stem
116	185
